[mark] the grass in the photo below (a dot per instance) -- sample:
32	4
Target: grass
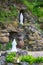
36	10
9	15
12	13
9	45
32	7
0	46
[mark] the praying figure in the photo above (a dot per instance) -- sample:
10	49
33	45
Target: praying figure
21	17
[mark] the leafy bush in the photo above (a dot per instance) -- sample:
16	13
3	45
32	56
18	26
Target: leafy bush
10	57
26	58
9	45
30	59
0	46
38	59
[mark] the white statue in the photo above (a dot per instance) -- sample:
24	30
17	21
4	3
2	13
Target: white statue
21	18
14	43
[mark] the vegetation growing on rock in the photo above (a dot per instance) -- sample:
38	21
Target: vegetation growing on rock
11	57
10	12
31	59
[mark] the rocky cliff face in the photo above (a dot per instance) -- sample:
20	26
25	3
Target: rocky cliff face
27	36
35	39
4	36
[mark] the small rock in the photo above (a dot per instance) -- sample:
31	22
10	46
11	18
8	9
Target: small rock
24	63
4	34
4	39
2	60
10	64
32	42
21	44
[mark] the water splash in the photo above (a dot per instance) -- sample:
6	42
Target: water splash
21	18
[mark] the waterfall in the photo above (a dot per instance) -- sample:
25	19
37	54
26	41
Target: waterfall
21	18
14	43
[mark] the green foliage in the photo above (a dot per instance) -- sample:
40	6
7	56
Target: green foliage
0	46
34	7
9	45
26	58
39	60
8	15
12	12
38	27
40	3
29	5
38	11
30	59
10	57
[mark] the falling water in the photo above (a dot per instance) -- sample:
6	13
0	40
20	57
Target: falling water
14	43
21	18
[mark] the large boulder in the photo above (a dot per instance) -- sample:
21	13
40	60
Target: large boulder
12	26
4	39
4	36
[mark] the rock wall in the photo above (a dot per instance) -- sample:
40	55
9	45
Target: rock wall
27	36
35	39
4	36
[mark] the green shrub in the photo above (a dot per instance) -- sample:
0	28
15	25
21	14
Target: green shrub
10	57
30	59
9	45
38	59
0	46
26	58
